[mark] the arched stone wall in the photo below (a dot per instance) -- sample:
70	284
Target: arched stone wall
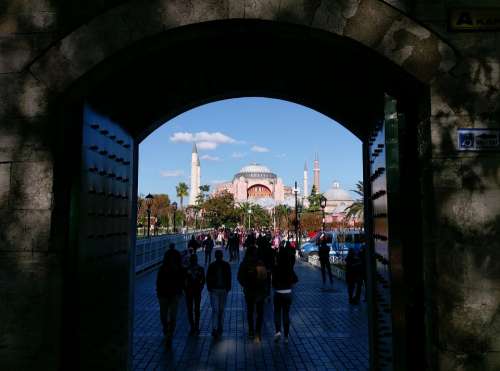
47	46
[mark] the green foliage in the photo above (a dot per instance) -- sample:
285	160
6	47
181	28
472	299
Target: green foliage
220	210
182	190
259	217
203	195
314	200
357	209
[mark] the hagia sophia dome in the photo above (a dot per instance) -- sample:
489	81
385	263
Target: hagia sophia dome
255	171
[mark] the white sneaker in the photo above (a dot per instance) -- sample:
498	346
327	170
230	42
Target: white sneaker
277	336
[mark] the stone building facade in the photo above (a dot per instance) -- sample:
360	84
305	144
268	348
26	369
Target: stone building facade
56	53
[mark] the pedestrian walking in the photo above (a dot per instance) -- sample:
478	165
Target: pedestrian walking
208	246
353	275
324	259
195	280
169	286
193	244
234	247
267	255
252	276
218	285
284	278
364	274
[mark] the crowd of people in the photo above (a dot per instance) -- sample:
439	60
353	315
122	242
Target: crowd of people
266	272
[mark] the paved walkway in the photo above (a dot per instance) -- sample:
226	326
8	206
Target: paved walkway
326	332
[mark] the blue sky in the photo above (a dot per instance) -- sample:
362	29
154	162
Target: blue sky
235	132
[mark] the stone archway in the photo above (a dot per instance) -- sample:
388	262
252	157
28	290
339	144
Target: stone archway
72	61
134	97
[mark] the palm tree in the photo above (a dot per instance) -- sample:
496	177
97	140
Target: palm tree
243	211
357	210
182	191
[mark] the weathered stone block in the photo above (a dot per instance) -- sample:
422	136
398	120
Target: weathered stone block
4	185
31	186
25	230
19	50
30	292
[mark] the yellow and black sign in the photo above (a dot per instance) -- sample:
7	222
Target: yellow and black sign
474	19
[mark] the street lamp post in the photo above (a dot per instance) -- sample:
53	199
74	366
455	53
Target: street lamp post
149	201
322	203
174	208
296	192
249	218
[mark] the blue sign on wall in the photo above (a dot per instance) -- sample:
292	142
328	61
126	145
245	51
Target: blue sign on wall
478	139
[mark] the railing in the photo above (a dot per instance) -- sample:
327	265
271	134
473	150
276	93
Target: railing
149	251
336	271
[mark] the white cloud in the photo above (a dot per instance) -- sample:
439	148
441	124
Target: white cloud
210	158
206	145
171	173
203	139
238	155
259	149
281	155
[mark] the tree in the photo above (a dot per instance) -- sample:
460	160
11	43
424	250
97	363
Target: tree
314	200
357	210
202	196
220	210
283	216
182	190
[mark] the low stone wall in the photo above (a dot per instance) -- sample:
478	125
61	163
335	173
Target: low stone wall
337	271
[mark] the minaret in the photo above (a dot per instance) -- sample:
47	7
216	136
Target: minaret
316	173
195	176
306	188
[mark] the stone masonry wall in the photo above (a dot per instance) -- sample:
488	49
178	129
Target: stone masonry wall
466	186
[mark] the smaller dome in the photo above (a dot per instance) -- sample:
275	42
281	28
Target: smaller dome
337	194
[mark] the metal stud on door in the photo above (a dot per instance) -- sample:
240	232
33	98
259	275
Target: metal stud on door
104	243
384	178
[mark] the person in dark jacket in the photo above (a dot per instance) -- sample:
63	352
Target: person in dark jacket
169	286
284	278
324	259
208	246
353	275
218	285
193	244
234	247
195	280
252	276
266	254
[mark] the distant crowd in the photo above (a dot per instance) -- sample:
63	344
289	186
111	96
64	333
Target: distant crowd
266	271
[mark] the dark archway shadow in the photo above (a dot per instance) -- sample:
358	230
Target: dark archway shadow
142	87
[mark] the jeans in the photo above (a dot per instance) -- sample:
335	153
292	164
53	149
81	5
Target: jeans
325	265
218	302
168	314
193	300
282	303
255	304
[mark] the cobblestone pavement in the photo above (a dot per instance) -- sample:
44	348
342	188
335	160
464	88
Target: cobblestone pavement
326	332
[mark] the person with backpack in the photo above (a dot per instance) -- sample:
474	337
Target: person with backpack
218	285
284	278
169	286
324	259
353	275
267	255
195	280
208	246
252	276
